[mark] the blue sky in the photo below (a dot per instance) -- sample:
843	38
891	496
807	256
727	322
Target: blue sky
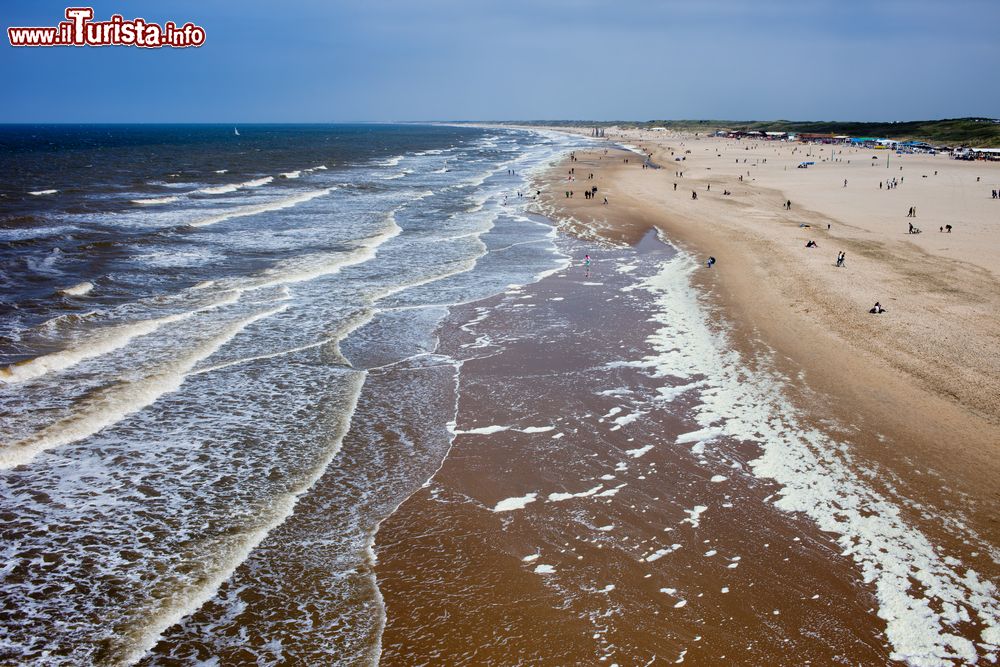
383	60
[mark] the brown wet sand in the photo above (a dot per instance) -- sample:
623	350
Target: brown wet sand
919	389
738	583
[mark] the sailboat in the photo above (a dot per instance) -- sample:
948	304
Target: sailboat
236	132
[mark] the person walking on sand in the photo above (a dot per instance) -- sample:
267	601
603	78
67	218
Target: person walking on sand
841	256
845	182
586	265
694	195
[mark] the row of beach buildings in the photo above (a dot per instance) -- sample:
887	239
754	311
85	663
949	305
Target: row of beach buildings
960	153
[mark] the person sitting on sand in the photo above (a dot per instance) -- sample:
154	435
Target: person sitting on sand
877	309
811	244
710	262
947	229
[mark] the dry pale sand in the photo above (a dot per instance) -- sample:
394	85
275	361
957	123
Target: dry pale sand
920	384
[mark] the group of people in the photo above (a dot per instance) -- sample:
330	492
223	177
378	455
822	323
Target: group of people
912	213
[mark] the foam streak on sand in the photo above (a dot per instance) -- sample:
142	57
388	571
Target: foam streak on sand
110	406
922	594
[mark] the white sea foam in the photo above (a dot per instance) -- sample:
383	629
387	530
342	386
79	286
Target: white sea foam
257	182
78	290
233	187
109	406
291	174
694	515
484	430
490	430
559	497
39	193
545	569
201	591
311	267
820	479
636	453
256	209
156	201
219	189
98	343
519	503
629	418
660	553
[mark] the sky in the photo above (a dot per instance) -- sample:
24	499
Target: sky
403	60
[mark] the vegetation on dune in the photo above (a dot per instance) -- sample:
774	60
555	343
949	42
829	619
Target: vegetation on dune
975	132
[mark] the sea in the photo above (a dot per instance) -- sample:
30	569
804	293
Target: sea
232	362
189	315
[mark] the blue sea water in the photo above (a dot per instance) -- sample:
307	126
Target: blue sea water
217	371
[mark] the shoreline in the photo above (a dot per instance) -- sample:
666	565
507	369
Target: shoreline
519	539
941	416
581	518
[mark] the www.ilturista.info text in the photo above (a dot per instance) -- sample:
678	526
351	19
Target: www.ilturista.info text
81	30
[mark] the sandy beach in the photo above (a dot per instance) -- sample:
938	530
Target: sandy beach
588	513
928	374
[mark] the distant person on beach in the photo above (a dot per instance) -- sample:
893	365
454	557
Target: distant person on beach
994	192
710	262
605	200
845	182
947	229
694	195
841	256
877	308
788	205
811	244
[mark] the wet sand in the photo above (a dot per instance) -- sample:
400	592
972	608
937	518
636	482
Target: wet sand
554	534
926	376
638	574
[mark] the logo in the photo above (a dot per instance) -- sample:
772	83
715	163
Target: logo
79	29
